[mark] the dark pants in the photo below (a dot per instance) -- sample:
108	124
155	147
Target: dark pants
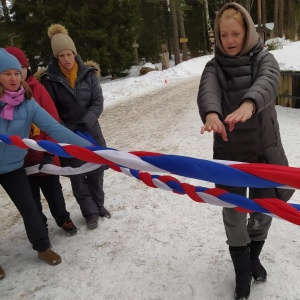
51	188
88	191
17	187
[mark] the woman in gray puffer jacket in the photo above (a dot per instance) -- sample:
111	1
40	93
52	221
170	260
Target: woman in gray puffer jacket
236	101
77	94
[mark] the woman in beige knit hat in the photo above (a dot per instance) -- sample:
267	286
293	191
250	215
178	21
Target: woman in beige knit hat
77	94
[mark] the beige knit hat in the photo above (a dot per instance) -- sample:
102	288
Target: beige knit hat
60	39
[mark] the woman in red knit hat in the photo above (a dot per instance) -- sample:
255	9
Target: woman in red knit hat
50	184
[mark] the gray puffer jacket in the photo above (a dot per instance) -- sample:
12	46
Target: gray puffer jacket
226	82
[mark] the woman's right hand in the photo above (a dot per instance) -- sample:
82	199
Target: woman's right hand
213	123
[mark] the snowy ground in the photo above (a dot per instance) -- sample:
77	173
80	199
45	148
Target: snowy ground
157	245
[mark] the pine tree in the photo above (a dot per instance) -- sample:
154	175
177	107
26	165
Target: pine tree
31	19
195	24
7	32
102	30
152	16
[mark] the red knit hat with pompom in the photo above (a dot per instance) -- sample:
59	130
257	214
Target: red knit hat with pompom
19	54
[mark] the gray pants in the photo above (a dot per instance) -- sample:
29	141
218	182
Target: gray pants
88	190
240	231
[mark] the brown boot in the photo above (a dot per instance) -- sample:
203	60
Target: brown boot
2	273
50	257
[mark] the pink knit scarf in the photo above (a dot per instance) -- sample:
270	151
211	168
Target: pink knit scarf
11	99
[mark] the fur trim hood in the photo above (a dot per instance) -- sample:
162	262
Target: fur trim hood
95	66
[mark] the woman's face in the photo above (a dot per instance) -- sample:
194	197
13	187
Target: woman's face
233	36
66	58
11	80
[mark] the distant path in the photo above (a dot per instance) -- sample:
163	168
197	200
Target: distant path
137	124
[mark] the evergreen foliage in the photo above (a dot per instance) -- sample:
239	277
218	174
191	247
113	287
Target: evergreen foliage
6	26
195	28
155	16
105	30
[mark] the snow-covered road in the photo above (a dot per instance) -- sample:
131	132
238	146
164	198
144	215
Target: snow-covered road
157	245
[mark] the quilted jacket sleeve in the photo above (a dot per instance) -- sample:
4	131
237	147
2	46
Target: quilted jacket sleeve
96	105
265	87
209	94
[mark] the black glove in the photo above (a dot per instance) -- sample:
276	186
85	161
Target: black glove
47	159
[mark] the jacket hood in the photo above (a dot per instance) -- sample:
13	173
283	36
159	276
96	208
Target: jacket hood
37	75
95	66
252	36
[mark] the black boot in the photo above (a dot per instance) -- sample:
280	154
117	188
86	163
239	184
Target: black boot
241	261
258	271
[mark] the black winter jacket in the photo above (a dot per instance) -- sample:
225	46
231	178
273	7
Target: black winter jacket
78	107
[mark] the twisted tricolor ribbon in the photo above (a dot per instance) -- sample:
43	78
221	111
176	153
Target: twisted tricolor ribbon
139	163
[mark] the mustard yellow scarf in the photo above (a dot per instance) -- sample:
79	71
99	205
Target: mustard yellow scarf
71	74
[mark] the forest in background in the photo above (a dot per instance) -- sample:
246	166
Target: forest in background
119	33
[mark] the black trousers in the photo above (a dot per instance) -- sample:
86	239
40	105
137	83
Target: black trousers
52	190
17	187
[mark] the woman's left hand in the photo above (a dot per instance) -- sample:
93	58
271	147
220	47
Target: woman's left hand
242	114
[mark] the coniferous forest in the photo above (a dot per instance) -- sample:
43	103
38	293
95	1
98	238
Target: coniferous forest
106	30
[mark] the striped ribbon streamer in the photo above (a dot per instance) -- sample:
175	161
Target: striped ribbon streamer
139	163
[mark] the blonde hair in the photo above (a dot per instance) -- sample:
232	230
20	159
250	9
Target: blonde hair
232	13
28	91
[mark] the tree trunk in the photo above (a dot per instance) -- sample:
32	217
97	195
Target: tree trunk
165	6
259	13
263	13
182	32
275	18
280	18
208	28
175	32
164	57
291	28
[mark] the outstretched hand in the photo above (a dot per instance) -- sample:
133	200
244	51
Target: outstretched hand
213	123
242	114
